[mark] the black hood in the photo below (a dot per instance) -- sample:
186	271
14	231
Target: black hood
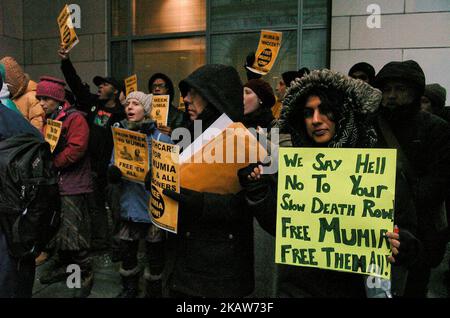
408	71
220	86
166	79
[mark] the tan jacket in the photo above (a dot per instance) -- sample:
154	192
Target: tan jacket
29	106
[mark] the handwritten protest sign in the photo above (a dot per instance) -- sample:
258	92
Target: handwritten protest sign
334	207
267	52
165	175
160	109
52	133
67	32
131	84
131	154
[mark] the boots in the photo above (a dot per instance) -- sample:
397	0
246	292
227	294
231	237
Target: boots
130	283
153	285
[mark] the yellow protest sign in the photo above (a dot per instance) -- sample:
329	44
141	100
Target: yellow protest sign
67	32
165	175
334	207
53	132
267	52
131	154
160	109
181	106
131	84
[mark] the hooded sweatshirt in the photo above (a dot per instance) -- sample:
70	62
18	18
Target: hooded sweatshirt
23	92
212	256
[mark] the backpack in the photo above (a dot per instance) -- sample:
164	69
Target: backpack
29	196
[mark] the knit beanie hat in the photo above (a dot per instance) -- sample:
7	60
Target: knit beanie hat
289	76
263	90
408	71
144	99
364	67
51	87
436	94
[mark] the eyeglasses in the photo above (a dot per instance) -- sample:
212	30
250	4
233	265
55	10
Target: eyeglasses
161	85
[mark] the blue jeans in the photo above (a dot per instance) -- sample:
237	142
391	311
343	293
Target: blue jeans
16	275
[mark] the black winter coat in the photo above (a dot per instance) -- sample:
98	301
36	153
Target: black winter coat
213	256
99	118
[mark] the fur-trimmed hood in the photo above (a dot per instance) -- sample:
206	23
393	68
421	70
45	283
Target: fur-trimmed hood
359	101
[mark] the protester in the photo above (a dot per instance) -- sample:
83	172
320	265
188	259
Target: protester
72	162
17	269
136	224
433	101
4	91
161	84
23	92
258	101
104	110
422	141
328	109
363	71
212	253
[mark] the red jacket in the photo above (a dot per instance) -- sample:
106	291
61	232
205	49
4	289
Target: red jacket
71	157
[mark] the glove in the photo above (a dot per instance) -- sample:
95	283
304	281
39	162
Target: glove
114	175
409	248
249	61
191	203
148	181
256	190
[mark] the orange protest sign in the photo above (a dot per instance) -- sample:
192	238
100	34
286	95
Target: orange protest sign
267	52
52	133
131	84
165	175
67	32
160	109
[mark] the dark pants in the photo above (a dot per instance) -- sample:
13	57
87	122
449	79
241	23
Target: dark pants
99	217
417	284
16	276
153	251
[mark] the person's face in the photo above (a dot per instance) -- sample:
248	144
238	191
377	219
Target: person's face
251	101
281	90
159	87
49	105
195	104
361	75
425	104
319	127
106	91
134	110
397	94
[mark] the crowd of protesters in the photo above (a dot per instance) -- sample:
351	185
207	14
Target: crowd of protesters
212	255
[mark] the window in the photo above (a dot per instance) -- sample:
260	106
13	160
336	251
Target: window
177	36
168	16
176	58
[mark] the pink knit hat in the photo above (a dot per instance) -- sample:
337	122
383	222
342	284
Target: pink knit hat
51	87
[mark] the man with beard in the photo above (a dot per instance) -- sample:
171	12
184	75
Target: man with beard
423	144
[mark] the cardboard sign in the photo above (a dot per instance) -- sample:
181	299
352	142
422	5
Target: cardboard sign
165	175
131	154
52	133
334	207
267	52
131	84
211	162
160	109
67	32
